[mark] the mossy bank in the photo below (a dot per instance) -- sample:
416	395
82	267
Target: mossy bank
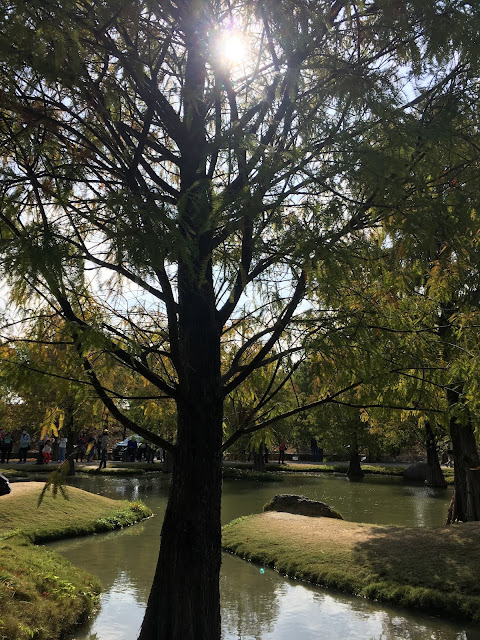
41	594
430	569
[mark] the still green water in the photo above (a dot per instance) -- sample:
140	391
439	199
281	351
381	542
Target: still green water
259	605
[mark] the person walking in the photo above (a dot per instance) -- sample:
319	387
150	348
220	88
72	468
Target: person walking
132	449
281	453
24	446
62	448
81	447
7	447
103	449
314	448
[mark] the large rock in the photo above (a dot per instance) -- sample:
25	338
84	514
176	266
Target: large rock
4	486
416	472
302	506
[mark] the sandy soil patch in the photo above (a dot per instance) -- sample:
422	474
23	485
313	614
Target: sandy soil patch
21	488
315	530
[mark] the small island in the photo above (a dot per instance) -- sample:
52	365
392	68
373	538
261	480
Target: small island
431	569
42	595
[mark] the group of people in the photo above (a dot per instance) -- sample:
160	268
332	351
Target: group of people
86	446
6	445
142	451
90	446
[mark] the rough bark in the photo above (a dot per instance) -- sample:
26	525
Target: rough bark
184	602
435	477
354	468
259	460
465	503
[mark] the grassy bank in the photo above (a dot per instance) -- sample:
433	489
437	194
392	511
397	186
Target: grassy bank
273	468
232	473
41	594
421	568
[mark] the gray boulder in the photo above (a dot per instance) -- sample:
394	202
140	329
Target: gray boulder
4	486
302	506
416	472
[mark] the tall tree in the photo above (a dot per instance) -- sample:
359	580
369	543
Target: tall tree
158	192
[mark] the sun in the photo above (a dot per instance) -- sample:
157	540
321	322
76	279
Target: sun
231	48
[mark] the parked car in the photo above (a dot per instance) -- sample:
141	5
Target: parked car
119	451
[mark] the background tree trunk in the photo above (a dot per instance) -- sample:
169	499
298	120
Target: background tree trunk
354	468
259	459
167	462
465	504
435	477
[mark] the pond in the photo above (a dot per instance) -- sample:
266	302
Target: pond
259	605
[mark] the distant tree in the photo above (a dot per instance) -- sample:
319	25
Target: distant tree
41	375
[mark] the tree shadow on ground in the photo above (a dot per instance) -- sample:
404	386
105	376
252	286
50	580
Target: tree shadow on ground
447	561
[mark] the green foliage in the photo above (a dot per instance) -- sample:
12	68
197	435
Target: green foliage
358	120
57	482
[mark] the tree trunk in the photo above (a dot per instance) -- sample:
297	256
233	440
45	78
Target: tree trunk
435	477
167	462
259	460
355	468
465	504
184	602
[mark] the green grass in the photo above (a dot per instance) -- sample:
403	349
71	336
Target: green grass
13	473
42	594
448	475
25	469
110	471
248	474
430	569
84	513
273	468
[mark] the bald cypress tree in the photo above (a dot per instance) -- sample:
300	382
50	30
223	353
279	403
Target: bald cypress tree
161	188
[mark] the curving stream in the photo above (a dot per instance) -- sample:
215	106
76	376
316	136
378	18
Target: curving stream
259	605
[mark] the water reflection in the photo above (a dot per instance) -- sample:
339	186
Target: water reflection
301	611
257	606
